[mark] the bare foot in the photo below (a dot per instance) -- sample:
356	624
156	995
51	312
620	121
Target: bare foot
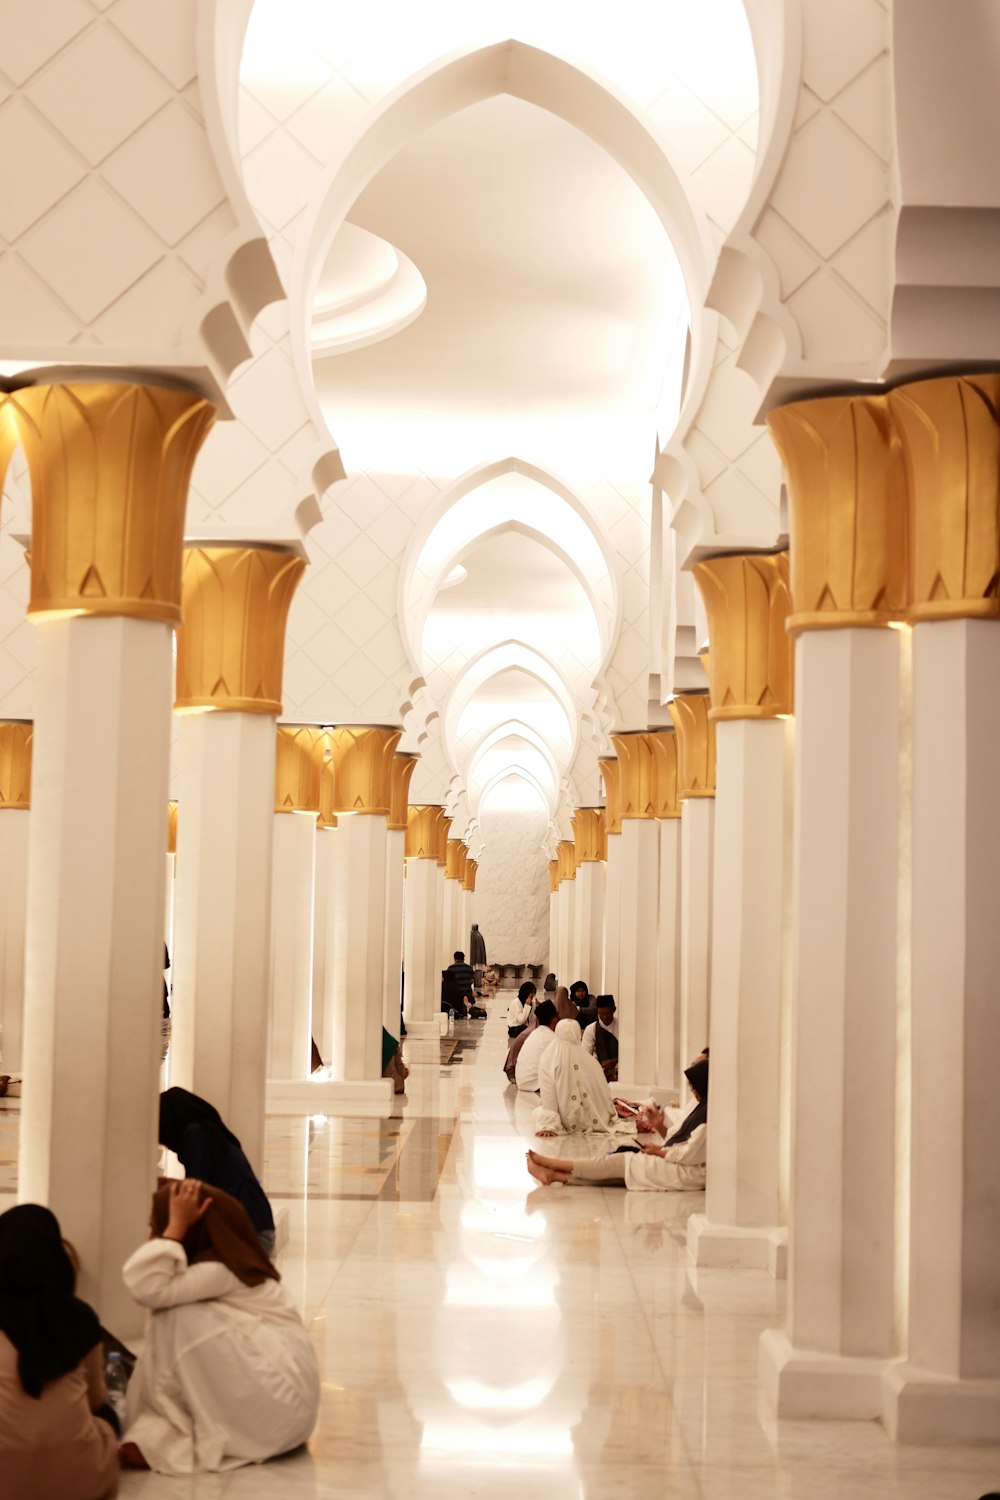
539	1173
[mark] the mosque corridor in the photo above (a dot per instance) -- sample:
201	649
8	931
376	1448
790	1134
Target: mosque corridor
481	1338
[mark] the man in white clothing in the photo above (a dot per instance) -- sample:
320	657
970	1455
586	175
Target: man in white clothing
530	1055
601	1036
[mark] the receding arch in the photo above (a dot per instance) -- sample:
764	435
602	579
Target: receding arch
490	663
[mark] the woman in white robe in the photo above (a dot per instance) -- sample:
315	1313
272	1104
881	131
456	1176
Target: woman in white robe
677	1166
228	1375
573	1089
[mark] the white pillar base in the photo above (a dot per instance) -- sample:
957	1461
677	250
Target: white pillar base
330	1096
807	1383
730	1245
919	1407
418	1031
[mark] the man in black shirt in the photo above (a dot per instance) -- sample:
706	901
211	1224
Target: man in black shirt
458	987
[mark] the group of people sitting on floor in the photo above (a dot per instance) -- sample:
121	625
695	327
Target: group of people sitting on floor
227	1375
564	1048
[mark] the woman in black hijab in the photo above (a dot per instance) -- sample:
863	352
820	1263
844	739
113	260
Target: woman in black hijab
195	1132
56	1428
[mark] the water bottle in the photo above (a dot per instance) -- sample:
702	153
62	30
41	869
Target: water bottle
116	1380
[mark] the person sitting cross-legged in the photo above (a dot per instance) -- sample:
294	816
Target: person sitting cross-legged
530	1055
227	1375
677	1166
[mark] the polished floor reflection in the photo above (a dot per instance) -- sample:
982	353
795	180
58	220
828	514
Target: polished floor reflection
480	1337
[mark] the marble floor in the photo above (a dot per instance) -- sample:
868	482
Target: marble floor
480	1337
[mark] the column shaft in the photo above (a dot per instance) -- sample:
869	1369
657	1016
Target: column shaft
15	832
326	877
668	989
395	853
358	969
293	883
423	978
640	897
93	982
590	883
697	856
222	917
842	1263
612	917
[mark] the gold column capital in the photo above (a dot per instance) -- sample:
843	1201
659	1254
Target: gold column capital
454	860
110	466
471	871
637	773
299	751
612	794
400	773
443	828
567	859
362	767
588	835
696	746
422	830
747	601
949	428
665	753
9	436
231	645
172	826
553	876
16	737
847	511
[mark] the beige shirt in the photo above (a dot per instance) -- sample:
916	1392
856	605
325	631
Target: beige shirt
55	1448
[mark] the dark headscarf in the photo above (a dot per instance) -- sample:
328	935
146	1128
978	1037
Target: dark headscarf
179	1109
224	1233
697	1077
51	1329
580	984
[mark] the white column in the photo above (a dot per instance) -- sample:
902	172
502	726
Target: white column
553	966
395	854
222	917
640	850
841	1255
743	1206
451	930
612	917
697	842
422	994
358	969
293	880
590	884
15	829
668	988
949	1387
94	954
442	950
326	876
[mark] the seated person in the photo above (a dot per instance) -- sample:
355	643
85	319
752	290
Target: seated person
193	1130
564	1005
227	1375
392	1063
530	1055
573	1091
461	981
521	1010
58	1435
601	1037
584	1002
677	1166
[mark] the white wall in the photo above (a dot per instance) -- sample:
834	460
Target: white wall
511	903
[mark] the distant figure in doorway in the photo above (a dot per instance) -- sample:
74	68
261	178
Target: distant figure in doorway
206	1148
228	1375
601	1036
58	1435
526	1069
477	956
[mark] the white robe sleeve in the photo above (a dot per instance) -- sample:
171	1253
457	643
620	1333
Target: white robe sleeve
590	1037
547	1116
158	1275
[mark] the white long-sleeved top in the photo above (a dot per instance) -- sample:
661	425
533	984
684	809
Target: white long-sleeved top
228	1375
518	1014
590	1033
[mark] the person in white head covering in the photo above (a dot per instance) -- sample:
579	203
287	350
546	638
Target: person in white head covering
572	1088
